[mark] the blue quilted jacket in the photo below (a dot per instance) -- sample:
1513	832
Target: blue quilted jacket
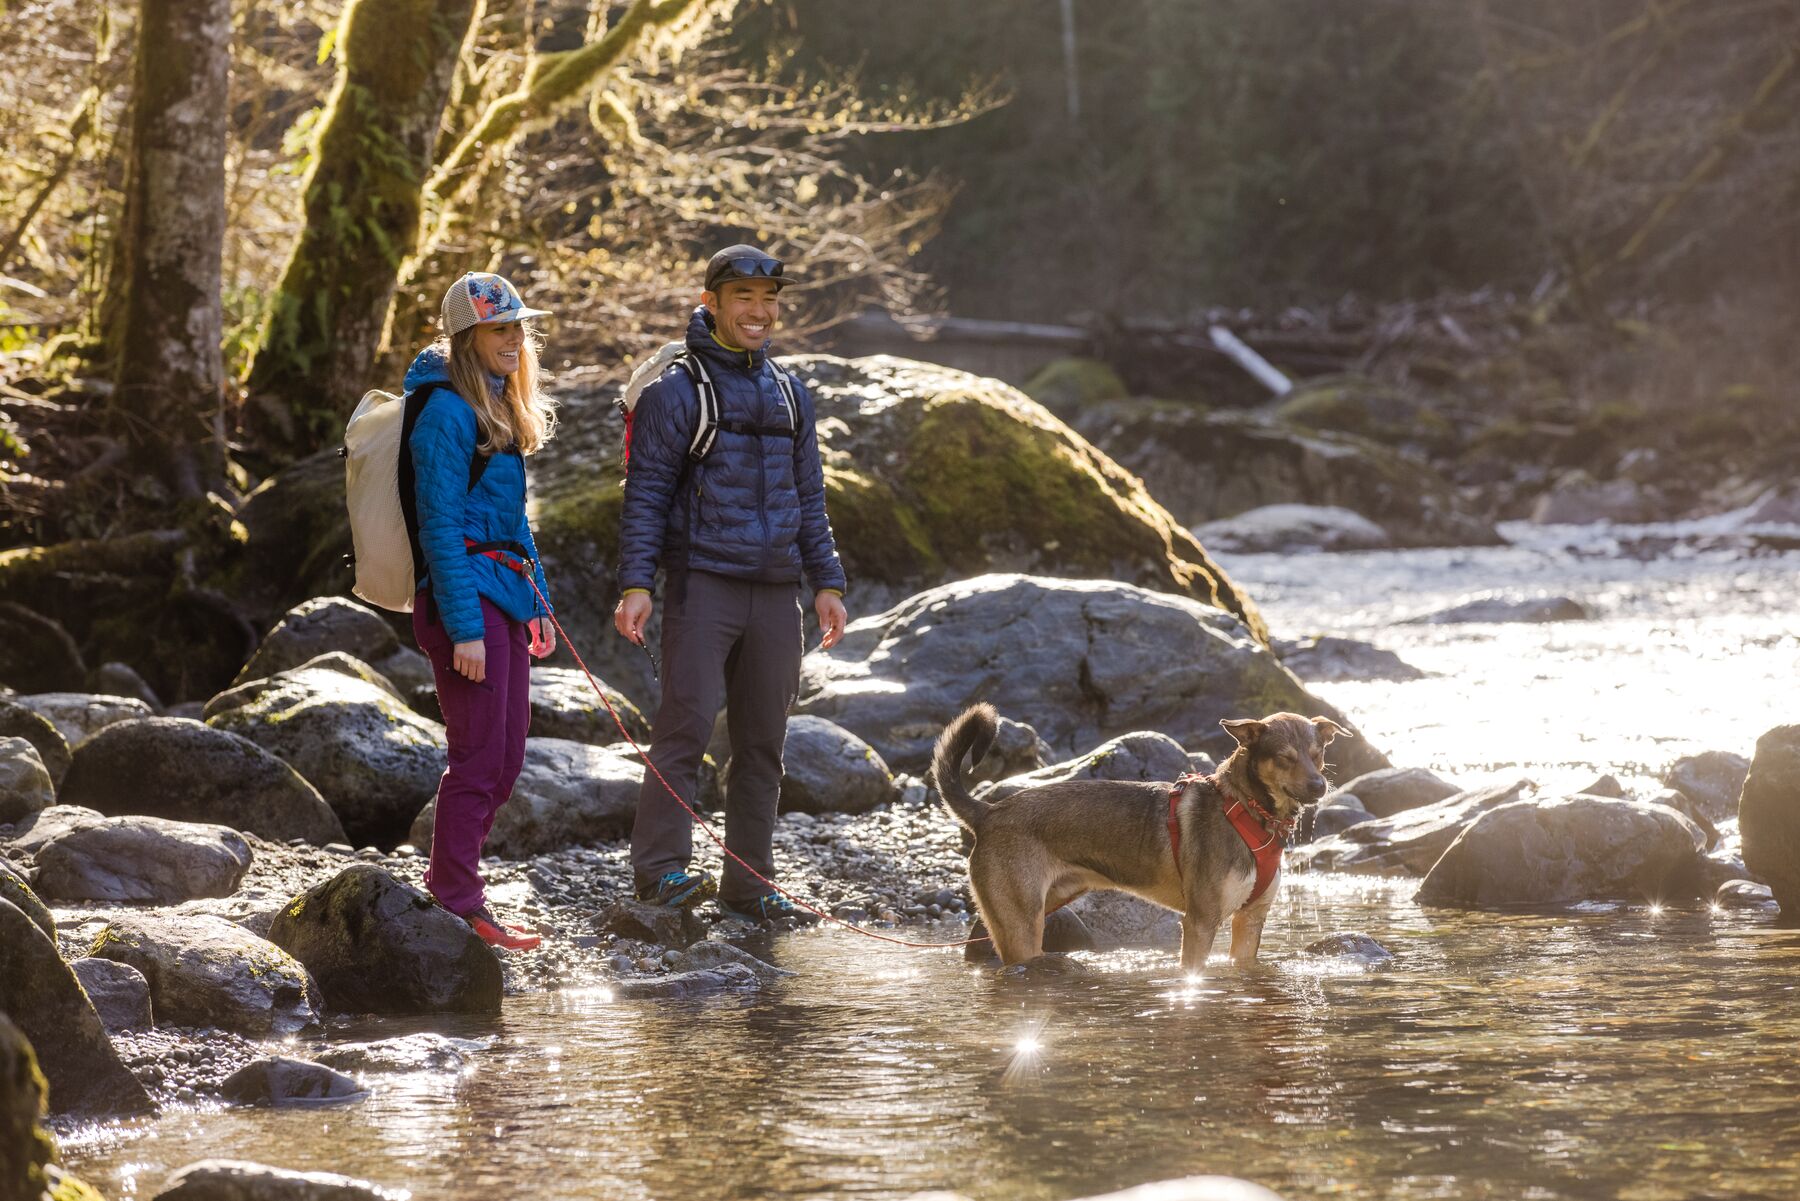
443	441
754	507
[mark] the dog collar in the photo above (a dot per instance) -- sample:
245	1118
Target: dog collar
1264	834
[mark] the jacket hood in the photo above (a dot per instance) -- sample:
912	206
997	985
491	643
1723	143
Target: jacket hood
701	341
429	366
432	366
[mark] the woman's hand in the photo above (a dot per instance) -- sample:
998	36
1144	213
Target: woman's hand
470	660
543	638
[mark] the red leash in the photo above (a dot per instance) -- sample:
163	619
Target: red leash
524	569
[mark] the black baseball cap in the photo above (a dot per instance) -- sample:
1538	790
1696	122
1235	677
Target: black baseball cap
744	262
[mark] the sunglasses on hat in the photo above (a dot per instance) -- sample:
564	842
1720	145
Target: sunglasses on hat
744	267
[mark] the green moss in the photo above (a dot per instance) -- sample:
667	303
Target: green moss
1353	405
890	543
581	523
1070	384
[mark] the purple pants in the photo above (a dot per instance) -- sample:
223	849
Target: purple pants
485	725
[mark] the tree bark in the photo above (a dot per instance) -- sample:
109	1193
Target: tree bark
168	393
363	202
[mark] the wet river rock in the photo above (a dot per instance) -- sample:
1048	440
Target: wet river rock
237	1180
1394	790
1081	661
207	971
1327	658
1290	528
139	860
1713	780
1500	609
184	770
281	1080
1769	818
377	945
1559	851
1407	843
120	993
664	925
374	760
41	994
569	794
408	1053
25	785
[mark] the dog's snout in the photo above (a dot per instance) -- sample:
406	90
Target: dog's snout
1316	787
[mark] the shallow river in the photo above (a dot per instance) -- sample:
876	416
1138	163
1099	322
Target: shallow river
1604	1052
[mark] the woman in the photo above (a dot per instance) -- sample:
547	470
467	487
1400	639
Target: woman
477	616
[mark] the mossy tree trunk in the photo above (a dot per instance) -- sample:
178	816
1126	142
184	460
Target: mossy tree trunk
167	402
496	59
363	202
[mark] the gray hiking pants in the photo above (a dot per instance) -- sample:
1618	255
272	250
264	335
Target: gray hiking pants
736	642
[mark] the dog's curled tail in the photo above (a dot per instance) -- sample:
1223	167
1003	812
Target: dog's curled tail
969	735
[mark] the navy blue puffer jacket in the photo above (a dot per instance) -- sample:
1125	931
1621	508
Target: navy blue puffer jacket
754	507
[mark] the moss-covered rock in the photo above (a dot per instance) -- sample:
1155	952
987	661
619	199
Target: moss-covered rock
15	888
25	1147
40	993
1205	466
932	475
1066	385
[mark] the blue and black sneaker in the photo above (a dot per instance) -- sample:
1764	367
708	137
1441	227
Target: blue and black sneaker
770	908
680	890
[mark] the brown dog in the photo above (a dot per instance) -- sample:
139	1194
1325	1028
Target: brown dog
1037	850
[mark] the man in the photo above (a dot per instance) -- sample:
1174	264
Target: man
735	532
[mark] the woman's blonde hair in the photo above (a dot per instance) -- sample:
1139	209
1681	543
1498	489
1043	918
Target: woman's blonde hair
519	414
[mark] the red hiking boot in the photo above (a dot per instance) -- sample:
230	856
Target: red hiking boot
494	933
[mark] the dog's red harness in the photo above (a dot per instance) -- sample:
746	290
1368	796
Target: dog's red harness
1262	832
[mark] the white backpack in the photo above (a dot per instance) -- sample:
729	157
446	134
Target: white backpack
378	489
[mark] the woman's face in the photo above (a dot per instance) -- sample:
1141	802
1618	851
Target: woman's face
497	347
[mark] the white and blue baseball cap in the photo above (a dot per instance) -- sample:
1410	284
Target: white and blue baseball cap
482	298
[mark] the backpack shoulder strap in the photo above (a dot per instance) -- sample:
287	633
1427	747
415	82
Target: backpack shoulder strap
785	384
706	426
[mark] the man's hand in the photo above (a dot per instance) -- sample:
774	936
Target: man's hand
470	659
832	618
543	638
631	614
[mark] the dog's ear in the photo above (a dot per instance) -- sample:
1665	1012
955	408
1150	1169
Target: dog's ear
1245	730
1329	729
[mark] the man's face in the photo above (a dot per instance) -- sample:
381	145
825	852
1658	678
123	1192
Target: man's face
745	311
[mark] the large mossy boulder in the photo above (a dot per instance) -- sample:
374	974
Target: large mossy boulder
187	771
16	888
565	705
931	475
1081	661
36	653
1066	386
377	945
1205	466
26	1148
1769	818
41	994
374	760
